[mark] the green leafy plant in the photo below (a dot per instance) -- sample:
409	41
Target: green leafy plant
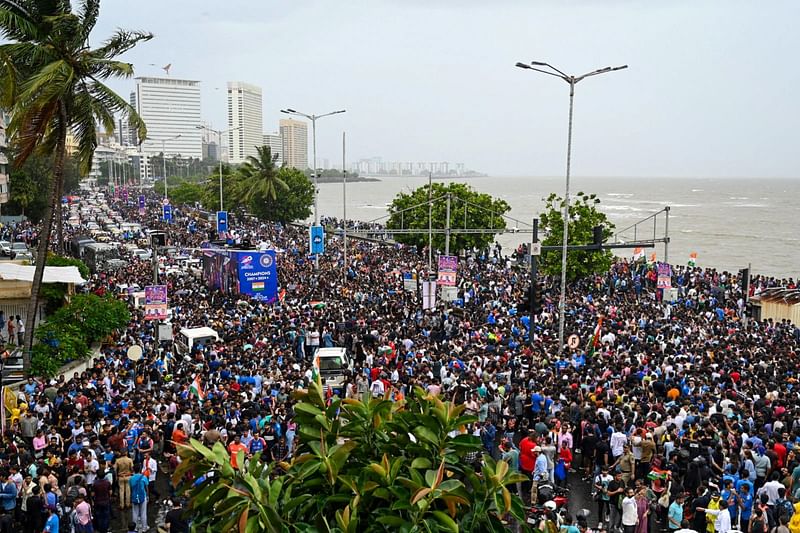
363	465
468	209
69	332
584	215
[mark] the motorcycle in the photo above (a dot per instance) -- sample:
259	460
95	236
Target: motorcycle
551	503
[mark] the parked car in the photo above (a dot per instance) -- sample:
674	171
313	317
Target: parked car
18	248
5	248
142	254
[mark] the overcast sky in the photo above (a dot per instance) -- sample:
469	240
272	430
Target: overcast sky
712	88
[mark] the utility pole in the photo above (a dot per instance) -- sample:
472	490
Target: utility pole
430	225
539	66
344	210
534	288
447	228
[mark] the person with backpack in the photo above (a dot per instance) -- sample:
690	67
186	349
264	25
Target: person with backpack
138	483
783	506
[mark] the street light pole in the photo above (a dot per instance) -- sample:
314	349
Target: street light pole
313	119
219	148
164	160
572	81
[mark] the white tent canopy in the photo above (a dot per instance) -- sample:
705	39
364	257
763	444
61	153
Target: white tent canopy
52	274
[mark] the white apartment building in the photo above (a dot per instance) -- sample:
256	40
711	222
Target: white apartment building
275	143
294	134
244	121
171	109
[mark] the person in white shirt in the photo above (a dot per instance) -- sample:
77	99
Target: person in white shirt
377	388
722	523
617	443
630	516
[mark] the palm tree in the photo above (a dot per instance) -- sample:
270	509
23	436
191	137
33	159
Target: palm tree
259	176
51	81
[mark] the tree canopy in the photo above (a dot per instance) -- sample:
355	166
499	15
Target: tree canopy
363	465
479	210
270	194
584	215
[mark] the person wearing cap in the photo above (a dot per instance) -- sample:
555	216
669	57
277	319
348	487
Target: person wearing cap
123	466
626	464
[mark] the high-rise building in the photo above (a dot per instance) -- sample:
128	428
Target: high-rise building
244	120
171	109
3	161
294	134
275	143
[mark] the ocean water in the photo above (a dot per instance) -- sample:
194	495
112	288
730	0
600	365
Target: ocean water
727	222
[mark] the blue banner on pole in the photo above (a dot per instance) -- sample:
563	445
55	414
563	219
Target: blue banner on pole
141	203
317	240
222	221
258	275
167	213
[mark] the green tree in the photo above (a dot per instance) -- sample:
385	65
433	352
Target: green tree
25	187
362	465
259	177
291	205
410	211
71	330
231	190
186	193
52	83
584	215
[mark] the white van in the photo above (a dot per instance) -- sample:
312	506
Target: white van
333	364
188	337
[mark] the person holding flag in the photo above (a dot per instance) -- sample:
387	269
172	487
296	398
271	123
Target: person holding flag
594	342
196	388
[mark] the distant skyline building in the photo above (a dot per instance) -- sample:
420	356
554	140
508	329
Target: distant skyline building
275	143
377	166
245	121
294	134
170	107
211	150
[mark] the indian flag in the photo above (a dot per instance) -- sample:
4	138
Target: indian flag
315	369
258	285
317	305
595	340
197	389
693	259
638	253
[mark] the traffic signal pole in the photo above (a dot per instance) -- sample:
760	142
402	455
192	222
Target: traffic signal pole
534	294
534	286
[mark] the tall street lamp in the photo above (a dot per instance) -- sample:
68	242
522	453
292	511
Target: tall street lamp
219	147
550	70
313	119
164	159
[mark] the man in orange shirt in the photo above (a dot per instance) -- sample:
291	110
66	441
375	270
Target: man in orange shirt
234	448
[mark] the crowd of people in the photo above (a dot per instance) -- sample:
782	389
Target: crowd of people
678	415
